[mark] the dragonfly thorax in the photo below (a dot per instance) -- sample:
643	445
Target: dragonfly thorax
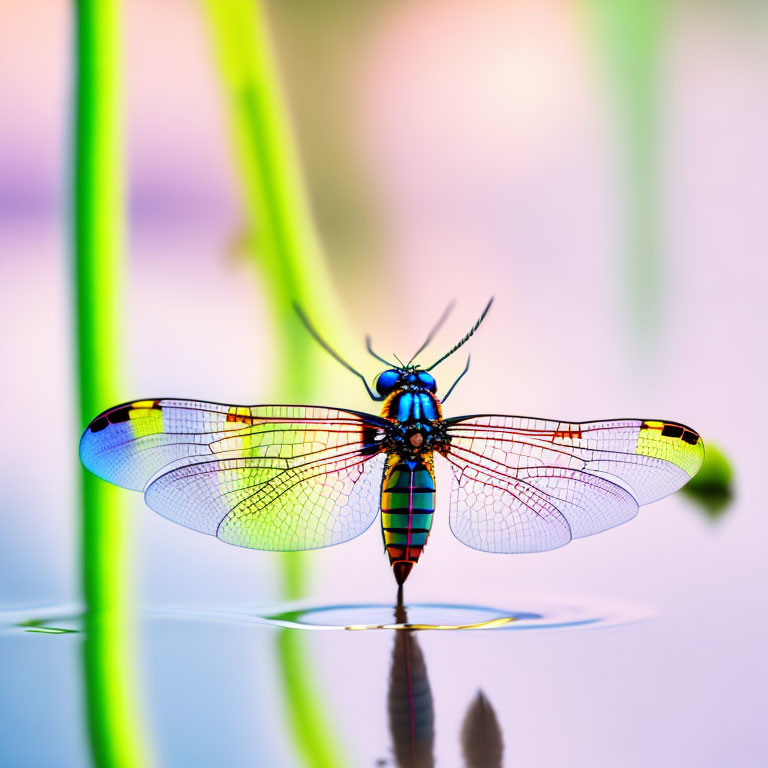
416	419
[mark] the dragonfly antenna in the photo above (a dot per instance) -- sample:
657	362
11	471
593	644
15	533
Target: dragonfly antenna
466	338
438	325
378	357
330	350
461	376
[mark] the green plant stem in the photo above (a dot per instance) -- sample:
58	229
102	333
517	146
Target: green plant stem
293	271
98	223
312	728
631	36
286	249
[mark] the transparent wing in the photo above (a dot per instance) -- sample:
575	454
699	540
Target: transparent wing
262	504
267	477
593	474
496	513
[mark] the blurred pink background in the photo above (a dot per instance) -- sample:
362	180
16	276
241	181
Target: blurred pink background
452	150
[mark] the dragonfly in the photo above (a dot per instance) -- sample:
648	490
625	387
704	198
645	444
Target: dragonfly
296	477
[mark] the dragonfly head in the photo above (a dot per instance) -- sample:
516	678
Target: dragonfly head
408	377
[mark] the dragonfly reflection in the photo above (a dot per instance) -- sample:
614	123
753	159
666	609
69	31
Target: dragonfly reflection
410	707
409	701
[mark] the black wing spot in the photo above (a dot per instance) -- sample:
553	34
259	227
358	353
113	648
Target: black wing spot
98	424
672	430
120	415
690	437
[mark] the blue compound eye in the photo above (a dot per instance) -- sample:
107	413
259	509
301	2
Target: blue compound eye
427	381
386	381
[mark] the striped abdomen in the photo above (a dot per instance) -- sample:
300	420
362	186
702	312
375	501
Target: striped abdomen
407	506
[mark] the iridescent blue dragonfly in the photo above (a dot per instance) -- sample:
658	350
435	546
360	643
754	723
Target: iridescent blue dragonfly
294	477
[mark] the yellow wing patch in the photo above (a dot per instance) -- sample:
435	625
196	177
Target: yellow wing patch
146	418
671	442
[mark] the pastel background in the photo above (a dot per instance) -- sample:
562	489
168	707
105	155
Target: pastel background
600	168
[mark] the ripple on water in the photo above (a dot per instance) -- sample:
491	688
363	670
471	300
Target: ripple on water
529	614
447	616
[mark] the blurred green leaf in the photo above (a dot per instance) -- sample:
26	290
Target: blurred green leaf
712	488
43	627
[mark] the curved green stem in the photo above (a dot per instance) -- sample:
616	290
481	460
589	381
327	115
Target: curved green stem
286	247
293	272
